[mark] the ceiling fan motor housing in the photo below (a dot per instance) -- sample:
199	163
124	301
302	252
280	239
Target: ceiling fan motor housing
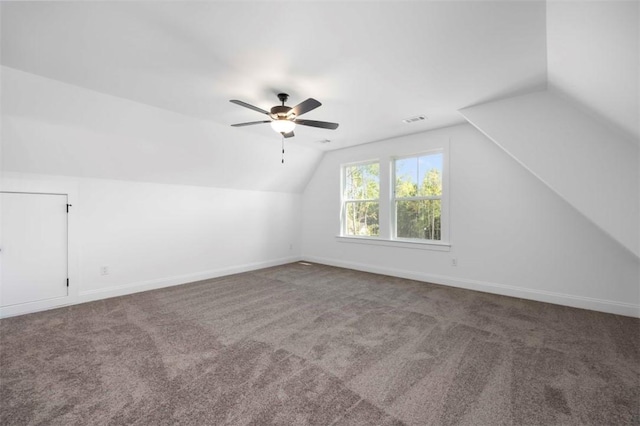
280	111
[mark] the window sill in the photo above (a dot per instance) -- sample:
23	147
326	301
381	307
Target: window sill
419	245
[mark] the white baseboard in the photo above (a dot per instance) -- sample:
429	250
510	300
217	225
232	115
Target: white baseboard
37	306
601	305
136	287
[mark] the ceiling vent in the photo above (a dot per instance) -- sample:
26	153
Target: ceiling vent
414	119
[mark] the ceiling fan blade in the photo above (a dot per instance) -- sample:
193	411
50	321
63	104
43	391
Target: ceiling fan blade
288	135
251	123
321	124
246	105
304	107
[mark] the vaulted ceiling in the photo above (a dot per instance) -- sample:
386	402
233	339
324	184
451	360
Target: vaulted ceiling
371	64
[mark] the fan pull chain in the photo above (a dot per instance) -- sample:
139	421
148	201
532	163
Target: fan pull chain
282	149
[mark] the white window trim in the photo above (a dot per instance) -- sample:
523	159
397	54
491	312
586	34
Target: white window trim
402	243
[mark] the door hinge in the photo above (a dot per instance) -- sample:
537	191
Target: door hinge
68	205
67	282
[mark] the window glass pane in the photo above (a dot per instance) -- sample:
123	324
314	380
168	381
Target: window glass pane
351	179
362	182
371	174
406	170
419	176
361	218
430	175
418	219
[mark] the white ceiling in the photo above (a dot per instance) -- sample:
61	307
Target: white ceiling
371	64
593	55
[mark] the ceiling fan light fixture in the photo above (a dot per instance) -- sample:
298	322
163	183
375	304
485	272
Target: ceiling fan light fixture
283	119
282	125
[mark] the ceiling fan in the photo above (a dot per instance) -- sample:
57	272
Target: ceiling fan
283	118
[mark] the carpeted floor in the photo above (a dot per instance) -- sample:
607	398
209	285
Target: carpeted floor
300	344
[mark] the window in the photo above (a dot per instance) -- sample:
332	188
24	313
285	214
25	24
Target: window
399	200
418	196
361	196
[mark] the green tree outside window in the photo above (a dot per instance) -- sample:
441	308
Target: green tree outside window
418	197
361	199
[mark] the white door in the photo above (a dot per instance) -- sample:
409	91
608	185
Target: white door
33	256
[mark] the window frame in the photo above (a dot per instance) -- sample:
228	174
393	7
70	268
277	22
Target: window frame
385	156
444	210
344	201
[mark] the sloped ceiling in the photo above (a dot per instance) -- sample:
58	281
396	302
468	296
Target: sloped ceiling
580	159
586	126
594	59
371	64
53	128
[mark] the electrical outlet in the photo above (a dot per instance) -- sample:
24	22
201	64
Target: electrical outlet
104	270
454	261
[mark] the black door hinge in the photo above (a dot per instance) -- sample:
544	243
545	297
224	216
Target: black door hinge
67	282
68	205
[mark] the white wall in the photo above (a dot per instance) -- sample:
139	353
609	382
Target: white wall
595	169
154	232
510	234
152	235
593	50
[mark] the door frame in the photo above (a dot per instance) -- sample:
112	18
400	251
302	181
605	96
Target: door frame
55	186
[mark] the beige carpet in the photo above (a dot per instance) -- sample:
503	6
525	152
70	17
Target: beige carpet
300	344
